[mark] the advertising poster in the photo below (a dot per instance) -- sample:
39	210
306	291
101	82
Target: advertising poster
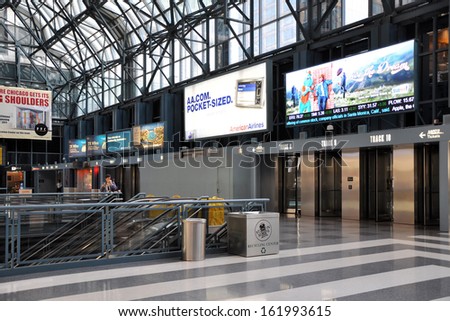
369	84
77	148
231	104
25	113
117	142
149	135
95	145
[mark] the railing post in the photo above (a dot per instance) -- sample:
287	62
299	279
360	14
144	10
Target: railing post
111	230
7	237
12	221
107	228
180	220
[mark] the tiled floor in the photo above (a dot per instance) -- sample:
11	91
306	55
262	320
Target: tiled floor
319	259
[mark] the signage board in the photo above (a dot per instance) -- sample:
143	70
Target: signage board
25	113
230	104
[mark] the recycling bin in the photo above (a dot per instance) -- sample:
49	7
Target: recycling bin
253	233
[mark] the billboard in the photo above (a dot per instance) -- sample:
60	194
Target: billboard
149	135
373	83
118	141
95	145
231	104
77	148
25	113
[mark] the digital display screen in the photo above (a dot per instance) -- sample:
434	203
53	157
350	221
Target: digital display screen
77	148
149	135
95	145
374	83
118	141
248	93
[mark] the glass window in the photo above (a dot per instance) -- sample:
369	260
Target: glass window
442	39
256	42
303	4
196	69
427	79
256	15
355	10
288	31
377	7
269	41
284	9
235	51
23	158
185	70
399	3
270	11
212	59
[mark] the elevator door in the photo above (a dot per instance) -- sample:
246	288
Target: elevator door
291	185
376	185
427	185
329	178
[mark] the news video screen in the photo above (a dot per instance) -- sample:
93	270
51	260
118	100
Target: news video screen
374	83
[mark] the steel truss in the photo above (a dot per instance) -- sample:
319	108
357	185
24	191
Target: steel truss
87	44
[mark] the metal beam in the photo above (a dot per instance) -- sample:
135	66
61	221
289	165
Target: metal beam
326	15
421	12
295	14
388	6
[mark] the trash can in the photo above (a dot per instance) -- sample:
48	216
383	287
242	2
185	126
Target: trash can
253	233
194	234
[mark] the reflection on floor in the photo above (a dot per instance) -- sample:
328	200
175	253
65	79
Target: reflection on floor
319	259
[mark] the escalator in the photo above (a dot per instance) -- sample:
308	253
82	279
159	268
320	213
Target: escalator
91	241
142	226
160	233
120	220
73	227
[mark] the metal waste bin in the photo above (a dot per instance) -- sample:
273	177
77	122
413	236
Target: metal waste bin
253	233
194	238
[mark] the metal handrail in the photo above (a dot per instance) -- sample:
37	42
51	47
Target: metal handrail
68	227
153	222
167	237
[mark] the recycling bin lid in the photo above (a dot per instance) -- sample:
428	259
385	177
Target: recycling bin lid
255	214
198	220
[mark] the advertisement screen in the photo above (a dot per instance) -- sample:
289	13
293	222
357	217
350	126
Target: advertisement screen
374	83
95	145
231	104
77	148
118	141
149	136
25	113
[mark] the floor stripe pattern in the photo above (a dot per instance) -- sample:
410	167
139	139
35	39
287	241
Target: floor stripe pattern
318	260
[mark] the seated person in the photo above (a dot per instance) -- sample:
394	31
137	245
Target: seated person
108	185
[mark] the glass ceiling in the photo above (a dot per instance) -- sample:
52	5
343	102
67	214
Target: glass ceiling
89	42
85	34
